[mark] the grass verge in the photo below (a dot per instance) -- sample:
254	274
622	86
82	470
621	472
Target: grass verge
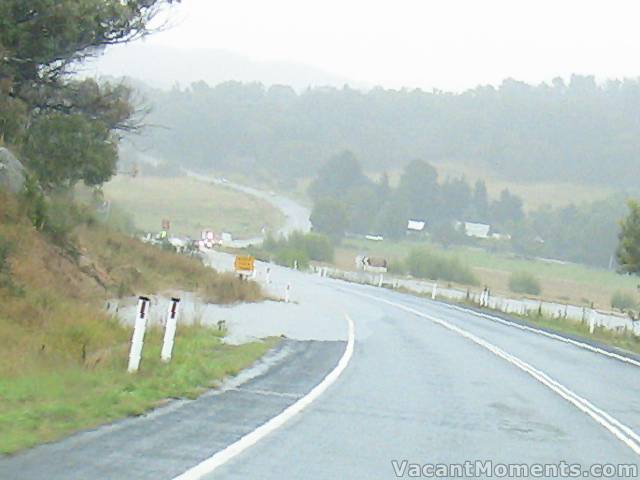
47	402
575	329
64	359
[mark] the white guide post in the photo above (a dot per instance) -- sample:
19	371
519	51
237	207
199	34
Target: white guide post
137	340
287	293
380	280
268	275
434	291
170	331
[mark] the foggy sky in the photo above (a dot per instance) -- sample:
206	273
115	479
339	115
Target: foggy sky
448	44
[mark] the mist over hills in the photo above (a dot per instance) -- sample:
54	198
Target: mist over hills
163	67
579	132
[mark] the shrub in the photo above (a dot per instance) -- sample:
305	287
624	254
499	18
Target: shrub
397	266
288	256
623	300
318	247
524	282
228	288
301	247
426	264
5	270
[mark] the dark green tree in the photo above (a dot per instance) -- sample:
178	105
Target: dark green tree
628	251
330	216
507	209
64	149
420	191
480	203
75	123
337	177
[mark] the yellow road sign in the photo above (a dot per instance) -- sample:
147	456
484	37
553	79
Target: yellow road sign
244	263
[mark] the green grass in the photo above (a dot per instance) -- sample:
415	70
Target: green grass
625	340
569	282
46	403
191	206
63	359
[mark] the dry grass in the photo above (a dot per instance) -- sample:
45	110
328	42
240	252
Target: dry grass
63	362
133	267
191	206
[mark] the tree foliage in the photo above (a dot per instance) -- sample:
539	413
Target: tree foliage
42	40
63	149
628	252
576	131
69	128
579	233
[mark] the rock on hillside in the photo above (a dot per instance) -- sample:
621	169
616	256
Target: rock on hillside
11	171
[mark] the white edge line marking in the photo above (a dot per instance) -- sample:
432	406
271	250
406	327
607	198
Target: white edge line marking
223	456
576	343
622	432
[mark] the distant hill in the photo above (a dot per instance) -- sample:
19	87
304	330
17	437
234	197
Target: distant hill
162	67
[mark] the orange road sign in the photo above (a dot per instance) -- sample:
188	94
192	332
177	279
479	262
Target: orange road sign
244	263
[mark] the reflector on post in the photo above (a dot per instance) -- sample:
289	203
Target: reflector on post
137	340
170	331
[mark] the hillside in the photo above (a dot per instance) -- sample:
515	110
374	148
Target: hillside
63	358
164	67
578	132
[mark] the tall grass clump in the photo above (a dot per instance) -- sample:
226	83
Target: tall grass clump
228	288
423	263
301	248
524	282
623	300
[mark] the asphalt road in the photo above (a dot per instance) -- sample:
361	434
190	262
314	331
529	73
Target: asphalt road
419	391
426	384
296	215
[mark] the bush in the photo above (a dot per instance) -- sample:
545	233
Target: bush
423	263
5	270
623	300
288	256
318	247
301	247
524	282
397	267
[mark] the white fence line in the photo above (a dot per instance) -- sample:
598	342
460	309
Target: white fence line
597	318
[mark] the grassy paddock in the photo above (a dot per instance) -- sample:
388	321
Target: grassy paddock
192	206
572	283
50	396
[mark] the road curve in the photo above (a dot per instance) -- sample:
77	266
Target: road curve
420	391
425	384
296	215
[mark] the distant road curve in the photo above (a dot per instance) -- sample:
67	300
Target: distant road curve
296	215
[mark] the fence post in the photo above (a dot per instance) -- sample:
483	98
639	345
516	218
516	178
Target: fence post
170	331
137	340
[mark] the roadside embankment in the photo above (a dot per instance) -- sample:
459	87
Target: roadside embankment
64	357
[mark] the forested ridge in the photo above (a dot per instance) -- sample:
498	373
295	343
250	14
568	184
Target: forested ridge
577	131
